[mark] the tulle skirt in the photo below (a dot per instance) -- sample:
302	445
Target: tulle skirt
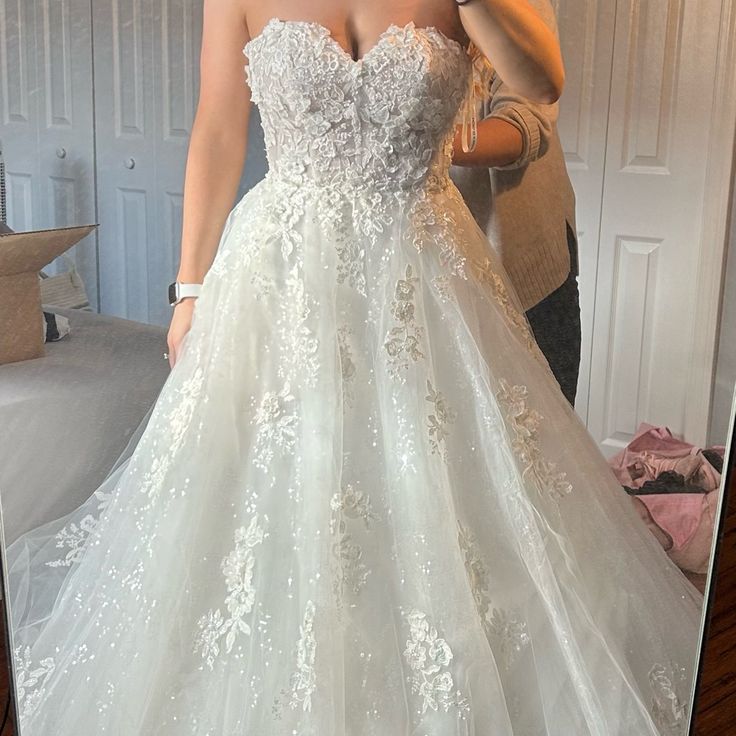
360	507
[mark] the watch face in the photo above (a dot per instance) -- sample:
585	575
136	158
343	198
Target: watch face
172	293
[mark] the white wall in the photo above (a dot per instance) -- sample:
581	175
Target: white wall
726	363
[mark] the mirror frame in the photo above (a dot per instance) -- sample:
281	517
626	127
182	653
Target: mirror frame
714	697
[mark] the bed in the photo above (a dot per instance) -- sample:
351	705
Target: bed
66	417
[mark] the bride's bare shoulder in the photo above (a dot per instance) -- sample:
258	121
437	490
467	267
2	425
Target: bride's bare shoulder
226	17
256	14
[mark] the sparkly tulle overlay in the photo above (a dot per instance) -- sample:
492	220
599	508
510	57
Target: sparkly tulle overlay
361	506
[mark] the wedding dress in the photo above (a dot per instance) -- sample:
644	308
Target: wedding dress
361	506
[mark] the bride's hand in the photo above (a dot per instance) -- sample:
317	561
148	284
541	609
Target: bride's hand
181	322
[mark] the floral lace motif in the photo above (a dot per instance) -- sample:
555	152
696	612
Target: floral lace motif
276	426
353	504
668	710
505	629
347	366
376	125
403	341
183	402
437	422
525	426
350	570
429	657
237	567
351	257
434	227
442	285
299	346
30	681
75	536
304	679
514	317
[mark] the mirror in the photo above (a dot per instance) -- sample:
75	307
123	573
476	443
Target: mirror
368	436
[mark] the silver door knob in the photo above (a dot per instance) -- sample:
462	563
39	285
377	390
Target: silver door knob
130	163
61	152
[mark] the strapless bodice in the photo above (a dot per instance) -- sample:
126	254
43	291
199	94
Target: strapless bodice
385	121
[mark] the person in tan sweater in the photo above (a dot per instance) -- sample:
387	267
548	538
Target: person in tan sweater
516	184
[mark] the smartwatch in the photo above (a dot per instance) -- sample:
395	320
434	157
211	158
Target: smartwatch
179	291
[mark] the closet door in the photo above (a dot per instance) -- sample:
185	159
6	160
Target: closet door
19	104
146	61
46	112
661	125
177	42
586	35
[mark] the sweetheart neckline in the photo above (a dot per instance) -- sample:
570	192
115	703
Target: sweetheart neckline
409	26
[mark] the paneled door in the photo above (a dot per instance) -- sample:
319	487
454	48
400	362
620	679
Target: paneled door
586	35
146	56
46	120
656	150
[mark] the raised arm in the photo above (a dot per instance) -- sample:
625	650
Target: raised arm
514	130
216	150
523	49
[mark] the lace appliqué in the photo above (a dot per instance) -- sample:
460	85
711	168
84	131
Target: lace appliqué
429	656
237	567
353	504
304	679
500	293
333	120
184	401
350	570
287	213
74	537
668	711
276	426
437	422
30	681
347	366
263	286
403	341
525	426
435	226
351	257
506	629
442	285
299	345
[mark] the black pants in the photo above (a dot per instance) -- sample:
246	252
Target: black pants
555	322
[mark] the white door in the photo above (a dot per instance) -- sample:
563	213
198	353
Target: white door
46	118
586	35
146	77
640	266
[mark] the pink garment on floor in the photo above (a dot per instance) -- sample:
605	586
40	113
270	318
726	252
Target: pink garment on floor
654	450
682	522
689	520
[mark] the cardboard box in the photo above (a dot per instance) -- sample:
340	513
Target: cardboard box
22	256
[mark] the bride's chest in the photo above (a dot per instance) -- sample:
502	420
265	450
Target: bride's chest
411	76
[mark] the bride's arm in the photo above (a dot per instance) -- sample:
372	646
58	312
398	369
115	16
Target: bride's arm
219	137
217	147
524	51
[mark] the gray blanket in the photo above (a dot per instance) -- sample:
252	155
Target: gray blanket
65	418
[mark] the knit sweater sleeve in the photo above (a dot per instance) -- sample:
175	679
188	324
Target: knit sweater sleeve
535	122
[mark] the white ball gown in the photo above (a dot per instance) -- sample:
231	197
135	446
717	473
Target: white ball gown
361	506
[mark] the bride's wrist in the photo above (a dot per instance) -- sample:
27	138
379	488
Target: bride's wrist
190	276
187	301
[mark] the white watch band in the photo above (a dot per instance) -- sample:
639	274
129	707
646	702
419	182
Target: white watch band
187	290
181	291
